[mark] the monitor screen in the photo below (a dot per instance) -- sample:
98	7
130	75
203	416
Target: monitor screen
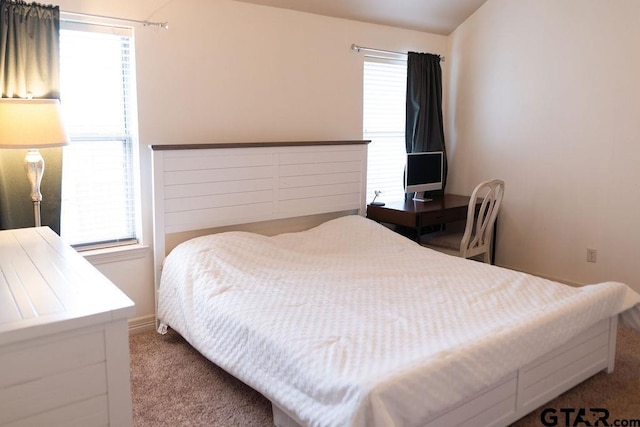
424	171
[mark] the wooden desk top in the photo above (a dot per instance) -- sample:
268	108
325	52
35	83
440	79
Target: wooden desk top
442	209
439	203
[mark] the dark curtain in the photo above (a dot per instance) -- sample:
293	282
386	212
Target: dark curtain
29	67
424	127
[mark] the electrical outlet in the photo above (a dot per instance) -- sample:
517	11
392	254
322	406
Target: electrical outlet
592	255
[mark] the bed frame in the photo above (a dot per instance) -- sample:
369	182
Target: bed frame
207	186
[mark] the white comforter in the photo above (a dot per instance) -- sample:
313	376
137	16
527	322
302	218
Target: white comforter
351	324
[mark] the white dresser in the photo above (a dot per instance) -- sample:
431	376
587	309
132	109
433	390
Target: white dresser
64	345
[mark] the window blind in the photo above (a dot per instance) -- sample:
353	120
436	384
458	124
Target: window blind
384	110
98	197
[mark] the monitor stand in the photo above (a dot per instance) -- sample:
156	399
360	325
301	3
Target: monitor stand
419	197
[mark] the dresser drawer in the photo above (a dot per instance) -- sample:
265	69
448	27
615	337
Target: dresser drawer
50	373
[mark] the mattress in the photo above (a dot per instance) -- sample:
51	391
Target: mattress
350	324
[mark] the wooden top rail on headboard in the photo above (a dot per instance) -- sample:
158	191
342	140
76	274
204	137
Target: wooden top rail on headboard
255	144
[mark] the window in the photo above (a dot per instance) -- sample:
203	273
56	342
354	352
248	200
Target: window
97	97
384	109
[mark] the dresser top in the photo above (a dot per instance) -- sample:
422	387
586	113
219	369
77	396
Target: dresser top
47	287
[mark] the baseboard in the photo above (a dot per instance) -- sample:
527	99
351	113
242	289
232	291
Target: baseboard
142	324
545	276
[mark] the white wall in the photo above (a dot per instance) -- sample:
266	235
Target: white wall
227	71
546	95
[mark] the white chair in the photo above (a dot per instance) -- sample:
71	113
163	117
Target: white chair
478	233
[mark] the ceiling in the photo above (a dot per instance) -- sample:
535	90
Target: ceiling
432	16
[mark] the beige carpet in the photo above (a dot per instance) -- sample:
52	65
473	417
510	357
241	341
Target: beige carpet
173	385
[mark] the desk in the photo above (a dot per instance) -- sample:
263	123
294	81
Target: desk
415	215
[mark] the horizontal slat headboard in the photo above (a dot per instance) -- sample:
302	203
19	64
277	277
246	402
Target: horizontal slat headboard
214	185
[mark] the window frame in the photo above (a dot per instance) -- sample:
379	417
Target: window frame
124	248
396	60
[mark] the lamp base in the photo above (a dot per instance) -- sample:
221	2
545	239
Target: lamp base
34	167
36	214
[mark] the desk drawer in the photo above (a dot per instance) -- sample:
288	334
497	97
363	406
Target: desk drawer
444	216
392	216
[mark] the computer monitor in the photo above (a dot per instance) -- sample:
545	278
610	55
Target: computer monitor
423	173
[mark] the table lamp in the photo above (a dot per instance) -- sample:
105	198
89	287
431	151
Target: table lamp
32	124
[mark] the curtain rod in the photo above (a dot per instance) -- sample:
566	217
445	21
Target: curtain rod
370	49
164	25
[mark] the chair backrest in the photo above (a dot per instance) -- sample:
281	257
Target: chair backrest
478	231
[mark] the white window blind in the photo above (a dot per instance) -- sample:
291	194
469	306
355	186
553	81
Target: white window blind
96	77
384	111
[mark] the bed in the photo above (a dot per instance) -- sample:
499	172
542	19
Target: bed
348	323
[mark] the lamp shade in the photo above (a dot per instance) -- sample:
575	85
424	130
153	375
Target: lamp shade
31	123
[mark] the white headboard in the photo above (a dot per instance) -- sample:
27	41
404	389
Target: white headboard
214	185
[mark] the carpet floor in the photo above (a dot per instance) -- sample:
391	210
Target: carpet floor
173	385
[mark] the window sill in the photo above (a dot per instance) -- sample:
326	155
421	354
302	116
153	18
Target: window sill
115	254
